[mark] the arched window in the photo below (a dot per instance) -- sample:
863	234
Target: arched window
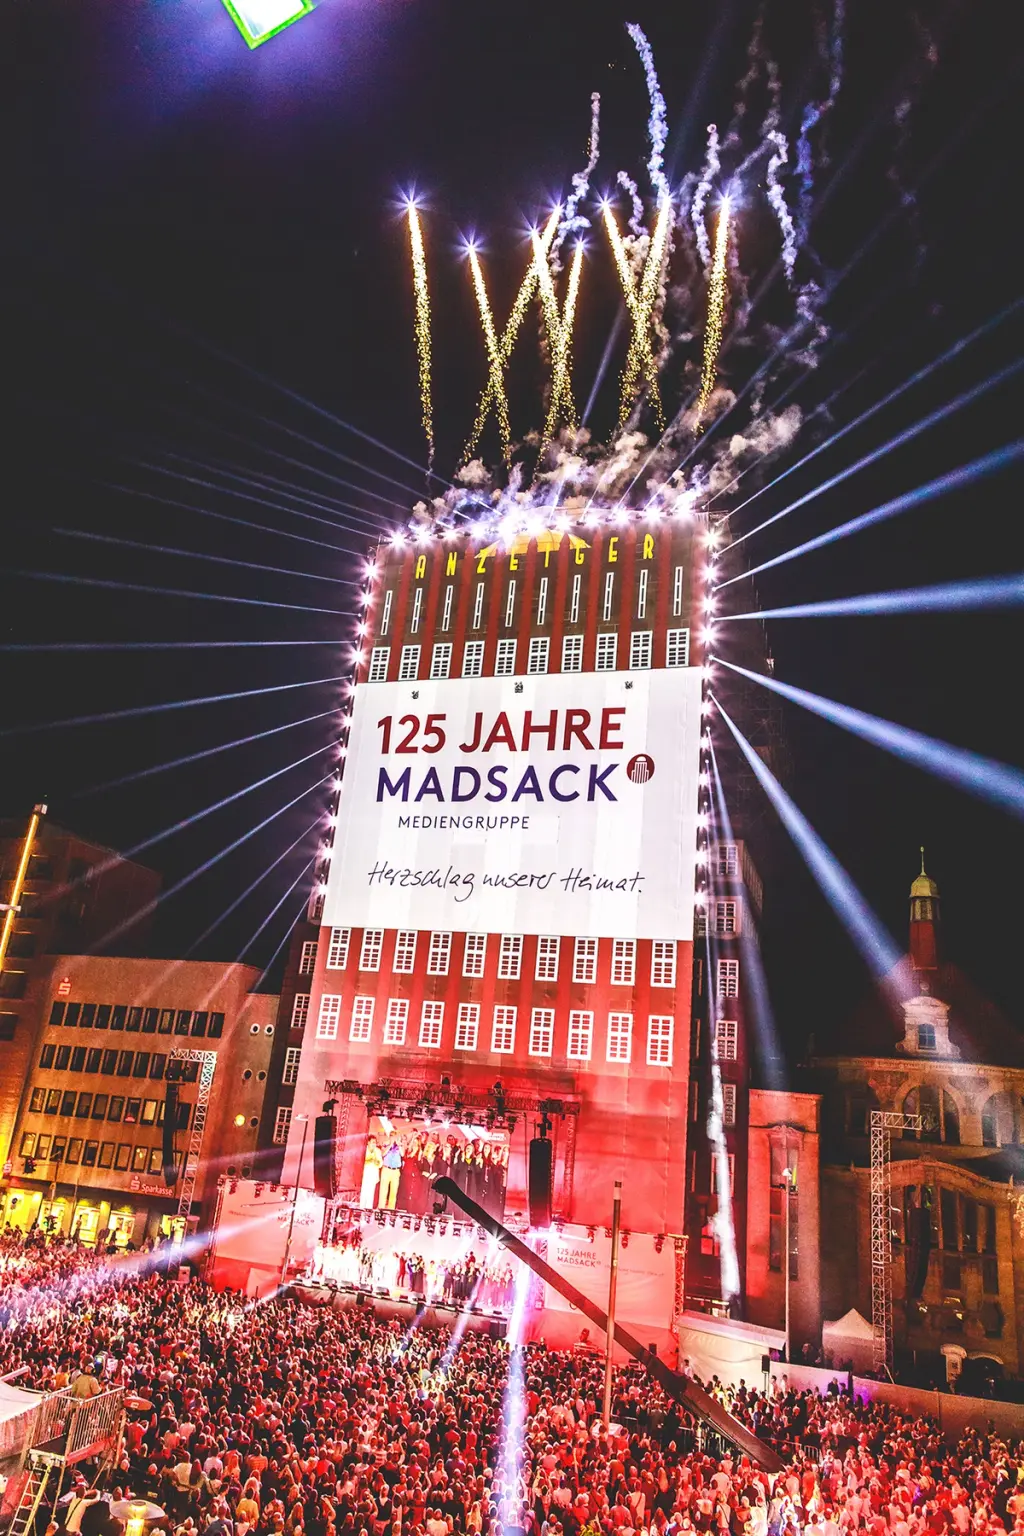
1000	1120
924	1101
950	1120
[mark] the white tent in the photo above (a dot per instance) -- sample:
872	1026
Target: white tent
851	1339
17	1418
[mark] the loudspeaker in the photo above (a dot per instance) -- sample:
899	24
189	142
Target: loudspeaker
540	1182
919	1242
766	1364
324	1135
171	1112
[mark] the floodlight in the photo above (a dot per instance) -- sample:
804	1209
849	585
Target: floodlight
258	20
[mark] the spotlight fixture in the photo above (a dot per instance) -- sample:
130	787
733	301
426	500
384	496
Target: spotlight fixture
260	20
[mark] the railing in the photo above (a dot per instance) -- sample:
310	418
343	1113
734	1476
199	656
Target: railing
81	1426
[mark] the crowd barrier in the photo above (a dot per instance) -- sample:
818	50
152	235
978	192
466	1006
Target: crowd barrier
953	1413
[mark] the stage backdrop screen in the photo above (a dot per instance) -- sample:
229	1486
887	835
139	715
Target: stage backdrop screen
562	804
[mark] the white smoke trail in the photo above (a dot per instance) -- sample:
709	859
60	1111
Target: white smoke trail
657	123
712	166
813	114
777	198
573	221
636	217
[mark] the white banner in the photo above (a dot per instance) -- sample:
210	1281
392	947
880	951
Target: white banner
562	804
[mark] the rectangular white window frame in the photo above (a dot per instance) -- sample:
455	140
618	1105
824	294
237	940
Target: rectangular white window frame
641	649
663	963
727	917
307	958
431	1025
478	605
510	604
608	597
725	1040
328	1017
574	598
727	860
446	611
728	978
549	948
385	613
607	652
677	592
542	1032
439	954
290	1071
417	611
361	1024
503	1031
728	1104
623	962
542	599
396	1021
474	956
580	1041
300	1010
409	664
282	1120
467	1027
661	1030
537	658
620	1037
441	659
572	653
505	658
370	949
379	658
732	1173
510	957
404	962
584	961
473	658
677	648
641	594
337	948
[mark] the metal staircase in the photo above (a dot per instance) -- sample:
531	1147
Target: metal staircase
43	1468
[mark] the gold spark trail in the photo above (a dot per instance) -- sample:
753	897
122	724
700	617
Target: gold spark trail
560	329
716	313
422	323
640	302
632	299
494	365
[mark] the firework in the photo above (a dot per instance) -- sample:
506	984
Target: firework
632	297
419	278
657	123
716	312
777	198
641	303
560	335
574	221
712	165
493	363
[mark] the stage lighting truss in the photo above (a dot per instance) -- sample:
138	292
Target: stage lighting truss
260	20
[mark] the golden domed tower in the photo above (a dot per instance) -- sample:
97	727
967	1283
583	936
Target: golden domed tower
924	925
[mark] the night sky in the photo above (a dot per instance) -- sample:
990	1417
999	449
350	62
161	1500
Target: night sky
185	222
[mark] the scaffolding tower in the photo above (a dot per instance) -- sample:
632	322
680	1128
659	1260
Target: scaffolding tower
883	1123
190	1167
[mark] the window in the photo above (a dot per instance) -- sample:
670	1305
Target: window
379	658
38	1101
385	613
473	658
537	661
282	1120
52	1101
122	1157
503	1031
641	595
28	1145
474	954
148	1116
369	954
677	648
71	1015
156	1066
728	1104
663	963
623	962
641	648
396	1021
106	1154
542	1031
677	591
132	1111
431	1023
337	948
125	1062
510	605
542	601
74	1152
478	604
574	600
300	1010
441	658
200	1020
609	596
660	1034
103	1013
166	1024
417	610
727	859
362	1019
183	1017
731	1156
926	1037
620	1037
728	978
467	1027
725	1039
548	950
62	1057
505	660
307	958
78	1059
409	664
330	1013
510	956
607	650
141	1068
727	917
290	1075
56	1013
581	1034
572	653
109	1063
46	1055
87	1015
446	612
584	961
439	954
405	951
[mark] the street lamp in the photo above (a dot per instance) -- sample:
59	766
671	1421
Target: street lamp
295	1196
